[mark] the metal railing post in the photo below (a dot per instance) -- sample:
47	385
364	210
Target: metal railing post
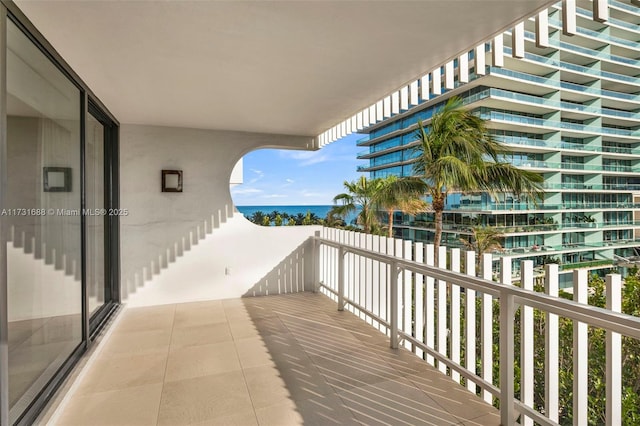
341	278
507	314
552	363
393	302
580	352
613	378
527	386
316	262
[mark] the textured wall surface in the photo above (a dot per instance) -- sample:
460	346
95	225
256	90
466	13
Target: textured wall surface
192	245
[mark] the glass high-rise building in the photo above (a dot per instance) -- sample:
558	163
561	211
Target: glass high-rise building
568	107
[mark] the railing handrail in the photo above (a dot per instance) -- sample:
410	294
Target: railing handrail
621	323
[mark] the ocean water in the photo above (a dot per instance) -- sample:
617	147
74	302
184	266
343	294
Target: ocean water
320	211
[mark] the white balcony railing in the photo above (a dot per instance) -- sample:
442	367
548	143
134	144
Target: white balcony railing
444	316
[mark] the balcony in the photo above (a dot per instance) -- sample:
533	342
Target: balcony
289	359
409	343
488	206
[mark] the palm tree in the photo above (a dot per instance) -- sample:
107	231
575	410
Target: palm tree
273	215
333	219
400	193
299	218
308	220
458	153
359	195
484	240
257	217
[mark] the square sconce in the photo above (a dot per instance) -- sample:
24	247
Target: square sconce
172	181
56	179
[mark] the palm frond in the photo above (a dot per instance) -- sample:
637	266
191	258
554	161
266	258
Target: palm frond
458	152
505	177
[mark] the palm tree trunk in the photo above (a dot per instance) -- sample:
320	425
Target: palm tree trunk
438	208
438	232
390	223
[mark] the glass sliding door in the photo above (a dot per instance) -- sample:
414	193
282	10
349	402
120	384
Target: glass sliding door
43	220
58	234
97	288
101	220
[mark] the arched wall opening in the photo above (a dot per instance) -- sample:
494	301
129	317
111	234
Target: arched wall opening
292	183
193	245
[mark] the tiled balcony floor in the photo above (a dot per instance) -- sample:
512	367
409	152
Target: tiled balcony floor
275	360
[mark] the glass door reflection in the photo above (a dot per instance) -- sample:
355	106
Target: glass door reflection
44	251
95	217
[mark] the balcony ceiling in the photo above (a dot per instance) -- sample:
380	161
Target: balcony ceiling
290	67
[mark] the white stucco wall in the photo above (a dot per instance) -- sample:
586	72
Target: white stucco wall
237	174
191	245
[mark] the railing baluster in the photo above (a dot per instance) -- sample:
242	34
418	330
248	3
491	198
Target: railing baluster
486	318
552	374
362	274
397	251
333	256
526	342
430	305
580	352
507	317
442	309
470	320
370	277
455	314
349	284
341	278
326	269
407	303
614	355
419	300
384	283
317	261
324	262
393	299
507	406
376	279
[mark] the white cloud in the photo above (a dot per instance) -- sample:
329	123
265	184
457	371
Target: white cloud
259	175
274	196
288	182
307	158
240	191
314	194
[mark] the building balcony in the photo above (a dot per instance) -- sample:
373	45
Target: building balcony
490	207
280	360
534	122
518	229
631	98
550	105
385	338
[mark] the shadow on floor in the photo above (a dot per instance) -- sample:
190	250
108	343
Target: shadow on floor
333	368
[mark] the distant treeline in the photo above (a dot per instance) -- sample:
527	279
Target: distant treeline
277	218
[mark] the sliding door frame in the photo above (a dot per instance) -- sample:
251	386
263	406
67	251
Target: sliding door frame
90	103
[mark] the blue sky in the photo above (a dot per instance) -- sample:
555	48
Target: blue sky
288	177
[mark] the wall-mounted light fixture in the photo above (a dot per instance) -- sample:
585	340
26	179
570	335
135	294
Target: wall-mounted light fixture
172	181
56	179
